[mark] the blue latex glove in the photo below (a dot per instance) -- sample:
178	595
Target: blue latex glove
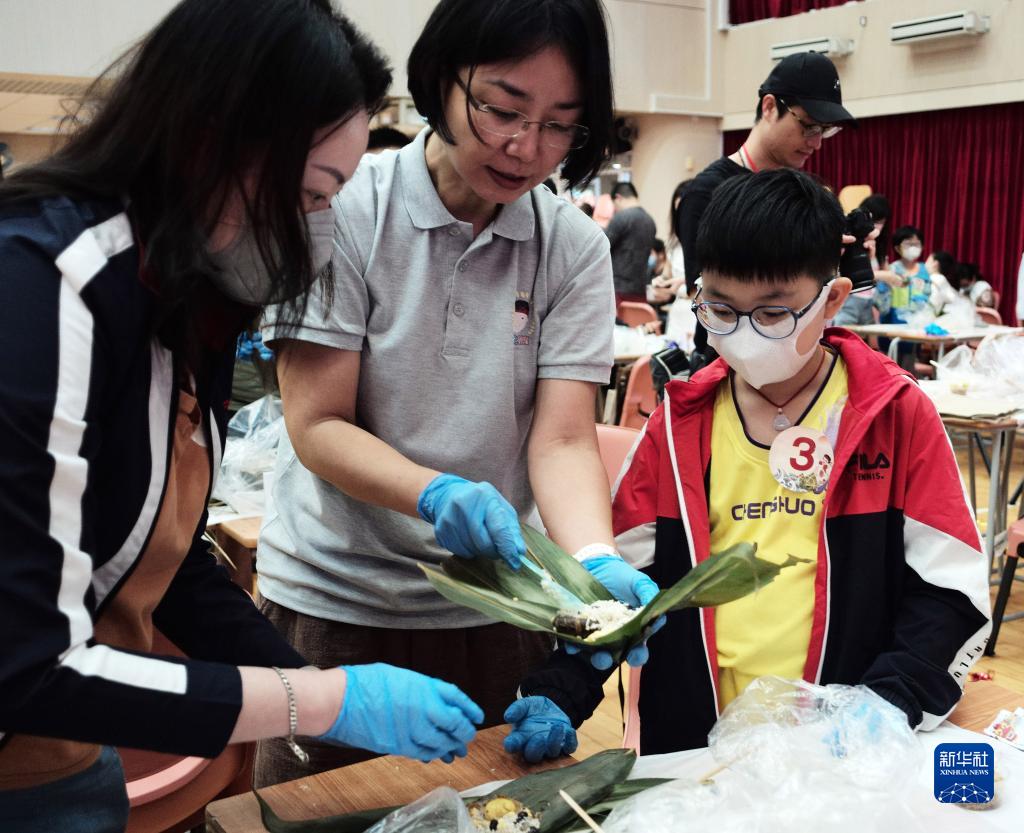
860	726
539	730
399	712
628	585
472	519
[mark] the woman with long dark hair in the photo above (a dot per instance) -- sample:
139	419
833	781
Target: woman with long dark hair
450	388
195	189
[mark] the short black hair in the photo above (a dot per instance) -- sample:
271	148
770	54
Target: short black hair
905	233
967	272
387	137
624	189
467	33
774	225
947	264
549	183
658	246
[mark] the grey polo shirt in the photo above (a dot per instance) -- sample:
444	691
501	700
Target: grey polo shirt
454	333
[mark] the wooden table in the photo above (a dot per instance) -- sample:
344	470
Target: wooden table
388	781
382	782
1003	431
238	539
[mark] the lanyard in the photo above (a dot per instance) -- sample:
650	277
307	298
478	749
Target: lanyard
747	161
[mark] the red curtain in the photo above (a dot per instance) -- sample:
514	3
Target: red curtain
744	11
955	174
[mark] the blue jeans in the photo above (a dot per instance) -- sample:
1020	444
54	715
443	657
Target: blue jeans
91	801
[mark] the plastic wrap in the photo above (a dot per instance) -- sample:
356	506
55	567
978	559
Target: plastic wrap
249	453
792	756
993	369
440	810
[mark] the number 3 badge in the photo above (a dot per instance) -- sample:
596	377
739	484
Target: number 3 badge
801	459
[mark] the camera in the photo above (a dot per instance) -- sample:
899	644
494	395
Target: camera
855	263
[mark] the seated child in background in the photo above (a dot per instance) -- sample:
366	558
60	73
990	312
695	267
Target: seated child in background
894	591
941	267
973	286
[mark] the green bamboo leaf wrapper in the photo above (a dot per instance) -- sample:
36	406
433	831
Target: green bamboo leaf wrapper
491	587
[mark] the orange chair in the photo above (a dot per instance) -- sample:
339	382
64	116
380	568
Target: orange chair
614	443
169	793
635	314
1014	550
640	399
988	315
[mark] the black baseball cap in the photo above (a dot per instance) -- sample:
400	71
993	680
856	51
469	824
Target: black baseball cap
810	80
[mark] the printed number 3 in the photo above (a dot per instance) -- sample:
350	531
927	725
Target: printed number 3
805	446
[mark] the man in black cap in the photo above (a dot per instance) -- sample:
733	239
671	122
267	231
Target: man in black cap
799	105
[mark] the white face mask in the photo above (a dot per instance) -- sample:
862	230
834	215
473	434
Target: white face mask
243	275
911	252
764	361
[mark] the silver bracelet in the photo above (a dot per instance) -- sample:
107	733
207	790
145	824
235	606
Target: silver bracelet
293	718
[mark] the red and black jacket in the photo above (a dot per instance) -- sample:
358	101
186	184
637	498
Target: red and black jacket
901	594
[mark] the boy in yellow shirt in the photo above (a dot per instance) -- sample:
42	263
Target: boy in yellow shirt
802	439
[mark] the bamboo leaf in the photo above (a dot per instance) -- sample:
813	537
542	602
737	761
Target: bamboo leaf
357	822
564	569
587	782
520	598
521	612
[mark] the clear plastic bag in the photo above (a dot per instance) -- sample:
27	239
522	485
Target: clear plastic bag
992	370
249	453
440	810
793	756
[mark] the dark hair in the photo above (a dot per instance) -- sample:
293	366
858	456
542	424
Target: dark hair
587	209
780	105
905	233
387	137
468	33
967	272
771	226
878	205
681	189
947	263
549	183
219	92
658	246
624	189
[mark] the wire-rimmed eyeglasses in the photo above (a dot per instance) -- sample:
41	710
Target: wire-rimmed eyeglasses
507	123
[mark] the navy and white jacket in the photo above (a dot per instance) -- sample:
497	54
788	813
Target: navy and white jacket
88	400
901	593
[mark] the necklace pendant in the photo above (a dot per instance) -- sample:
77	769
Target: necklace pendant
781	422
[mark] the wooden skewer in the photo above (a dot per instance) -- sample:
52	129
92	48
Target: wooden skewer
707	776
583	814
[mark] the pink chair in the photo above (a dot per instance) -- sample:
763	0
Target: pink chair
614	443
635	314
640	399
988	315
169	793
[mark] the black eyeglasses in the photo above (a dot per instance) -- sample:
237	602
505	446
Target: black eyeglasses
769	321
501	121
813	129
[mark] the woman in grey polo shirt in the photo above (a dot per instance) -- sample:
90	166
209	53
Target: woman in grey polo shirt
451	378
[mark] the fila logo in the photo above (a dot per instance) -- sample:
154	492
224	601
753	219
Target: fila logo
865	463
869	468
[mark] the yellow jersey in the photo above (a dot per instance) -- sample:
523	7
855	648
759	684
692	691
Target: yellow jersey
769	631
